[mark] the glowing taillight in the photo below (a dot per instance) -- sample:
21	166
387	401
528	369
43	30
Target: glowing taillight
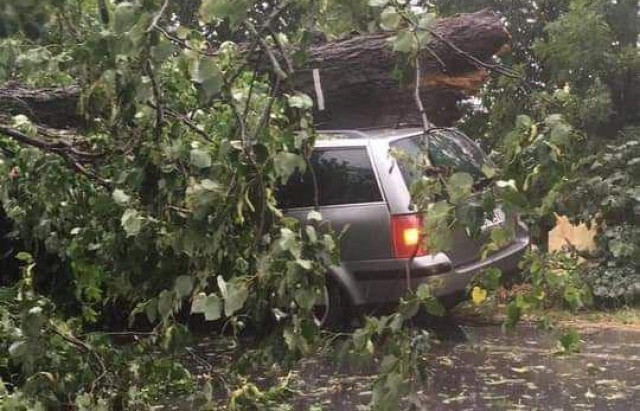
406	236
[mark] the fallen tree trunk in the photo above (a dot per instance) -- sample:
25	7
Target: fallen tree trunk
357	78
361	90
55	107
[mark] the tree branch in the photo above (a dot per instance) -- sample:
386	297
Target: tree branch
62	149
156	18
157	132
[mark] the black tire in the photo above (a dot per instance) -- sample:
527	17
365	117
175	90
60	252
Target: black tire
451	301
334	314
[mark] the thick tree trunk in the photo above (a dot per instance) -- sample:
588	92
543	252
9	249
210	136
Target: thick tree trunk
361	90
55	108
358	78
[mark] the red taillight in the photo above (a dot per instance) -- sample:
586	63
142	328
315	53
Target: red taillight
406	236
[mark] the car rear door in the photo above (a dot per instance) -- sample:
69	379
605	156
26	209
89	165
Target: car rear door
349	198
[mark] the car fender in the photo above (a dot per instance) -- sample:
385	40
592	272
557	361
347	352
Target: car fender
346	281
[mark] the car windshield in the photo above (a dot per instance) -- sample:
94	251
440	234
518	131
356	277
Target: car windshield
448	148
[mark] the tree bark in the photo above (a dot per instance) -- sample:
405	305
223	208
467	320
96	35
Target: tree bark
361	90
55	107
358	78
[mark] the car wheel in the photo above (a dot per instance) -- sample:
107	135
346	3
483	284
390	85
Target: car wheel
450	301
330	310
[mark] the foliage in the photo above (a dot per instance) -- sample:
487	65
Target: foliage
581	59
606	191
162	202
552	279
52	366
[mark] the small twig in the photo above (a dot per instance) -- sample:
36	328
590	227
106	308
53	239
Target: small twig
435	55
473	59
179	209
267	109
88	349
277	69
209	368
418	99
254	77
156	18
281	50
184	119
156	97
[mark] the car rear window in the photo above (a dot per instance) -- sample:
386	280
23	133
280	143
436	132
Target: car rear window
344	176
449	148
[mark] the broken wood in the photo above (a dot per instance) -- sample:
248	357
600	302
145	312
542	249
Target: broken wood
361	90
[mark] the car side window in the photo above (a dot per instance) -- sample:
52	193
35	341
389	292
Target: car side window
344	176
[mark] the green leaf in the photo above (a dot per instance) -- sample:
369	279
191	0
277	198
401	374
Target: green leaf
306	264
151	311
206	73
300	100
18	349
305	298
389	362
184	285
514	312
200	158
120	197
162	52
437	225
233	10
389	18
198	303
570	342
24	257
424	291
491	278
314	216
459	186
488	171
427	21
287	163
236	295
212	308
125	16
131	221
165	303
560	134
434	307
404	42
23	124
311	234
523	122
378	3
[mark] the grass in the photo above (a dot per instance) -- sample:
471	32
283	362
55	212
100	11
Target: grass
623	317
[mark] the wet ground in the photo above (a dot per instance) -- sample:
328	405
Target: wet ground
484	367
475	367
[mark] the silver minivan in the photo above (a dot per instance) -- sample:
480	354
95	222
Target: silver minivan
362	187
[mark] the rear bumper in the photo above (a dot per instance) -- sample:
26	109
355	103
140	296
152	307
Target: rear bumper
385	281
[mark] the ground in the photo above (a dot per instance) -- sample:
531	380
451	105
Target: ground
476	364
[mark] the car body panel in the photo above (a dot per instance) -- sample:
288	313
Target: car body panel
368	273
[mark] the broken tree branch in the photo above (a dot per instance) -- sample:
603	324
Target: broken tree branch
59	148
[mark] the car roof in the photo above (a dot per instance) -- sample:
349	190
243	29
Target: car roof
354	137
